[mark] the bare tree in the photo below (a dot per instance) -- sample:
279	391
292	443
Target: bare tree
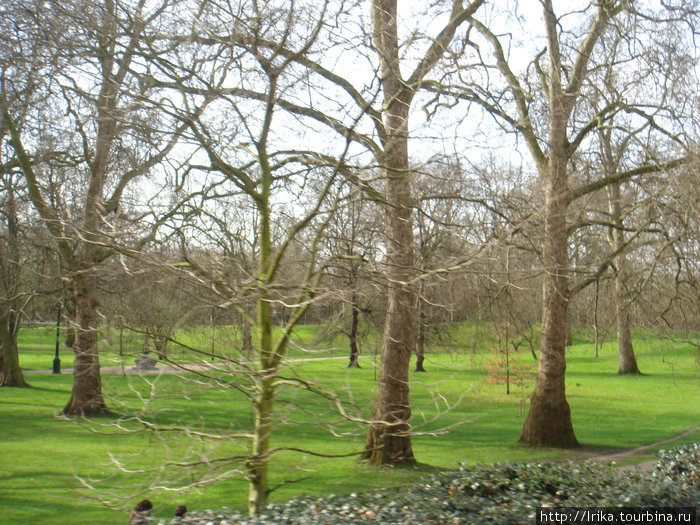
517	98
351	240
389	441
628	361
257	198
440	225
87	74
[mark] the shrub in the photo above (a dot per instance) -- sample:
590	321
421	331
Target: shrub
680	463
499	493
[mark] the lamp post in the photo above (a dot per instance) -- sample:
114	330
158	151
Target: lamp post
56	359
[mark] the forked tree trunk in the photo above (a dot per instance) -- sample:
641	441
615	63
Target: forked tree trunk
388	439
548	421
86	398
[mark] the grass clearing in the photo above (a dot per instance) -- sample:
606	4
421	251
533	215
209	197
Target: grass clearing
42	454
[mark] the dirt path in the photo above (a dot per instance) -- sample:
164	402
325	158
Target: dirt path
619	455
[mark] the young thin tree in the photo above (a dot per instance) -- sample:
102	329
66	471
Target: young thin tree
264	197
351	240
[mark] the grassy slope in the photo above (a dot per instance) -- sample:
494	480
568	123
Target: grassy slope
41	453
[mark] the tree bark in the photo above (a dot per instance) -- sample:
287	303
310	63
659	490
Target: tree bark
420	339
257	466
10	371
354	322
549	420
86	397
627	359
246	338
388	439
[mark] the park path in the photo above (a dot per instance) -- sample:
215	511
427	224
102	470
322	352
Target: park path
644	466
173	368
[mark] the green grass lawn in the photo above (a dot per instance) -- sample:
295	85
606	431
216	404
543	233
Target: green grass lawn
54	470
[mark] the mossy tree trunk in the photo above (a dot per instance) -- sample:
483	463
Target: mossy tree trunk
263	401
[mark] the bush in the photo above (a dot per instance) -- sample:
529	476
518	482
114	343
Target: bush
680	463
498	493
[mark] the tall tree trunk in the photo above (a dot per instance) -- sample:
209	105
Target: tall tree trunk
388	439
627	359
354	322
549	420
86	398
263	405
